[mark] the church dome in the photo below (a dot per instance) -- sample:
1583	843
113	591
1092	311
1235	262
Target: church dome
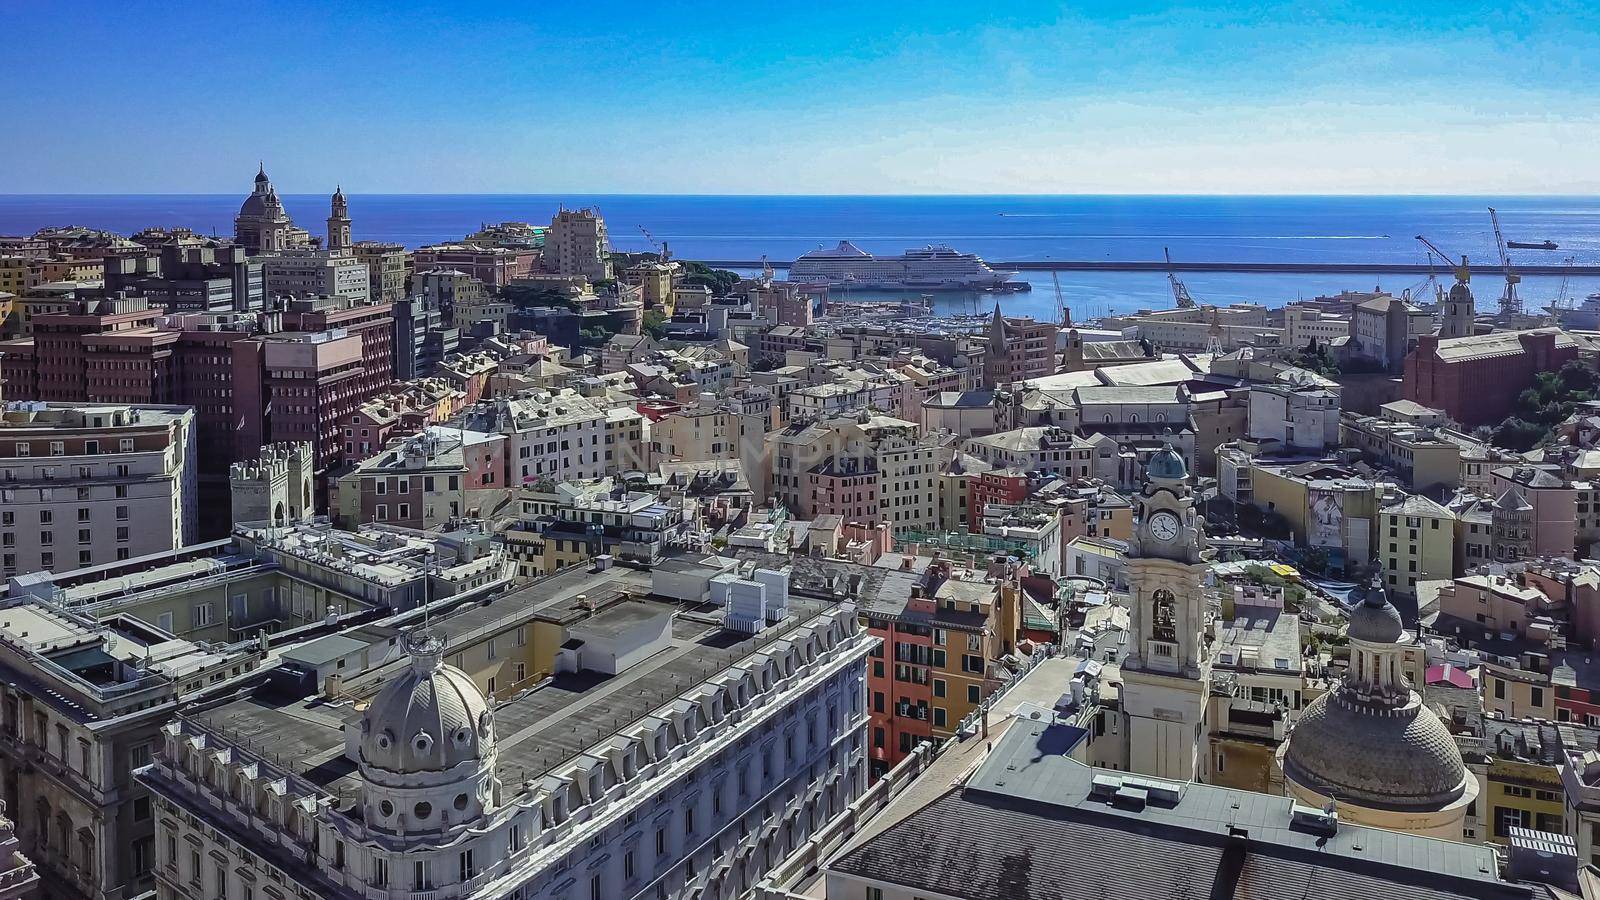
254	205
1167	463
1403	758
430	719
1375	620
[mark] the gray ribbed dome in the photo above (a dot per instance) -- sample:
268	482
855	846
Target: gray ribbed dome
1388	758
1376	621
1167	463
429	719
254	205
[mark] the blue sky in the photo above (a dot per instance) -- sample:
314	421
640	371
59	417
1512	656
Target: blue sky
817	97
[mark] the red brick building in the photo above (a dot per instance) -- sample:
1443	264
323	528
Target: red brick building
1019	349
249	386
1001	486
1476	379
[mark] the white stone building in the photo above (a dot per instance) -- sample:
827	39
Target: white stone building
332	273
86	485
688	773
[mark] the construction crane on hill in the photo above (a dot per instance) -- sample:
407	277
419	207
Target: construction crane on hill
660	246
1180	291
1061	302
1510	303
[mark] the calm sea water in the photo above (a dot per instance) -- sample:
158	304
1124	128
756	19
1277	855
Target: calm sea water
999	228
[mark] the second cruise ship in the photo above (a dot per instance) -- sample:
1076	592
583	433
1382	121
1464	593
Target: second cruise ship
931	268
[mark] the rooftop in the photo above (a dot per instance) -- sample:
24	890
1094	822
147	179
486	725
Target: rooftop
538	729
1034	824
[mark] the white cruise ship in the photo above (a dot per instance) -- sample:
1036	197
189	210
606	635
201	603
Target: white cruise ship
932	268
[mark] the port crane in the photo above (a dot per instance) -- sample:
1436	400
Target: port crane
1510	303
1180	291
1061	303
1462	270
1565	301
660	246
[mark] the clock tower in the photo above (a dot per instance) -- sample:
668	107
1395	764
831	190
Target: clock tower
1166	671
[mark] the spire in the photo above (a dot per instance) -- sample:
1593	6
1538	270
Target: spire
261	172
997	328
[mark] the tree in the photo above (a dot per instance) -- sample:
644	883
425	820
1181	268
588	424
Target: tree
654	323
1518	434
1576	376
719	281
526	296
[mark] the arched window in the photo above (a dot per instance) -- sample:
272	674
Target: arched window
1163	617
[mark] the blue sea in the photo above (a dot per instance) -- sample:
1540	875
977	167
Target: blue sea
999	228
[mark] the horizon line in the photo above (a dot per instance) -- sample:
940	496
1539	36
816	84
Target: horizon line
1080	195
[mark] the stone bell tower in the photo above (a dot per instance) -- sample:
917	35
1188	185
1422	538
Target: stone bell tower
339	222
1166	672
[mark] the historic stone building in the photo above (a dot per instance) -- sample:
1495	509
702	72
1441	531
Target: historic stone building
1372	747
263	226
1167	672
657	757
339	222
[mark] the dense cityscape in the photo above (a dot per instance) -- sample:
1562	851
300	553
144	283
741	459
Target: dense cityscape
522	567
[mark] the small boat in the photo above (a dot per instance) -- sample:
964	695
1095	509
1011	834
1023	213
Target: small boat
1529	245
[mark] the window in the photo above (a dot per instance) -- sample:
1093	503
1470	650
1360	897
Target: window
938	687
380	871
202	615
1499	689
467	868
974	694
661	842
688	821
627	865
421	879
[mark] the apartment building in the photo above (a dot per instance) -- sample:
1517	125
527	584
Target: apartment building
388	267
316	273
1416	537
573	523
716	432
563	436
942	634
1048	450
426	481
1018	349
84	485
867	469
494	266
577	245
1298	411
1424	461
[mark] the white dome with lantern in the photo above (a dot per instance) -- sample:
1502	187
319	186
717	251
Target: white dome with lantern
426	747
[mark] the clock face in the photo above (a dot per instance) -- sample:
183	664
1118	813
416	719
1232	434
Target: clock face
1164	526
